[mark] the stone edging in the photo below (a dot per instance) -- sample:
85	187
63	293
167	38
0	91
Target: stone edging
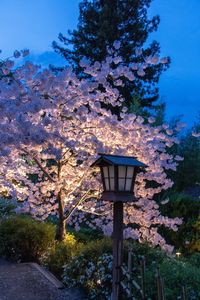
48	275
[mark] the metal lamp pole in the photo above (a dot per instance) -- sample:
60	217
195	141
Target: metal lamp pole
117	248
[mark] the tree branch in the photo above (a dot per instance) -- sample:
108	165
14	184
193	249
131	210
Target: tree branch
77	186
96	213
39	165
83	198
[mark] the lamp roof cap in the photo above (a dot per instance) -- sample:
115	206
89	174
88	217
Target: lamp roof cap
118	160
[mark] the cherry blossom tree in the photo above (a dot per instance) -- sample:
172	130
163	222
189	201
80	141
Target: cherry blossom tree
52	127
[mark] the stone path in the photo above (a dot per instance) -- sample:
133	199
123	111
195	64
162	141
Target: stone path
24	281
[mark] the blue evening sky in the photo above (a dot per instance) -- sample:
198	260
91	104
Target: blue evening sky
34	24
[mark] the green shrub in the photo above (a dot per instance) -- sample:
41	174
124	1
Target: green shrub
94	275
86	235
76	242
143	250
25	239
91	269
175	274
62	254
194	246
183	206
186	238
194	259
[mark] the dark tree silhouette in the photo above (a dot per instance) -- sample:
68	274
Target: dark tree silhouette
100	24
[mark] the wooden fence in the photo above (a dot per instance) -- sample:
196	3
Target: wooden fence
131	287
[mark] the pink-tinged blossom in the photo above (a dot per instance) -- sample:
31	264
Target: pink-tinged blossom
138	51
25	52
5	71
52	128
9	64
151	120
165	201
154	59
196	134
141	72
169	132
180	126
164	60
117	45
178	158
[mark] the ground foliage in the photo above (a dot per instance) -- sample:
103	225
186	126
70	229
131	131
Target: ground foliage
25	239
92	270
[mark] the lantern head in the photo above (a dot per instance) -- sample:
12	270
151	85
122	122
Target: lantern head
118	176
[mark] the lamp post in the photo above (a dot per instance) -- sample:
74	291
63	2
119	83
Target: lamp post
118	176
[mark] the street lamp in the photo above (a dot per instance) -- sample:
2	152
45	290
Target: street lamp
118	176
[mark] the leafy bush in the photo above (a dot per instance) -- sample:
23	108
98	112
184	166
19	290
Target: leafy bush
187	237
94	275
86	234
92	269
194	259
72	245
96	248
195	240
181	205
188	171
143	250
25	239
175	273
62	254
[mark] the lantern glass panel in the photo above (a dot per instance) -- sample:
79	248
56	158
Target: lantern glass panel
130	171
128	185
111	171
125	178
105	172
108	173
121	183
112	184
107	184
122	171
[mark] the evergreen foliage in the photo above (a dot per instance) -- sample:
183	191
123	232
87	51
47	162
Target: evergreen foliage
100	24
188	172
24	239
187	238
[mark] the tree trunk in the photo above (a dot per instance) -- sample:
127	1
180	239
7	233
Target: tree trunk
61	228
